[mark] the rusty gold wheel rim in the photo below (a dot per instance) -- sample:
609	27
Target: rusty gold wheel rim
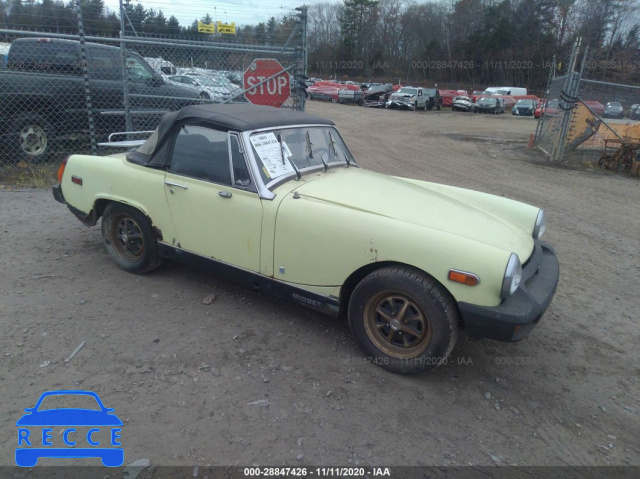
396	325
126	237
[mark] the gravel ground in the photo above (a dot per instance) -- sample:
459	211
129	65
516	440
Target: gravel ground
250	379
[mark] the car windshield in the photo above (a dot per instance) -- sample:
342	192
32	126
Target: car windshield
525	102
614	104
282	153
207	81
407	91
68	401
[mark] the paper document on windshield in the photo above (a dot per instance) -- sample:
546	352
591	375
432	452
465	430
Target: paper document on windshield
268	148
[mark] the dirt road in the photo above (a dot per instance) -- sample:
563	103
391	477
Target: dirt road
252	380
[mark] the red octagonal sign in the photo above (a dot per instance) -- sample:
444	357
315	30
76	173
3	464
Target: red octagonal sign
272	92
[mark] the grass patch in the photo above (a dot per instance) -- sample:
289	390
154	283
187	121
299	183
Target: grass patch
26	175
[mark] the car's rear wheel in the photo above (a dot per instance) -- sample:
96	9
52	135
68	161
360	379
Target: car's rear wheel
130	239
403	320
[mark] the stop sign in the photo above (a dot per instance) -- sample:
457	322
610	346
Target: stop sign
273	92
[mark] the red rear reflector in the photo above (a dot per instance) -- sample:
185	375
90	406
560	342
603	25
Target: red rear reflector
77	180
469	279
61	169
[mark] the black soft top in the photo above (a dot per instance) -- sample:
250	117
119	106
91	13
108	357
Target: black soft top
232	117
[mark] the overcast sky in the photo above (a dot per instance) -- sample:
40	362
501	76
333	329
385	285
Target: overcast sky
239	11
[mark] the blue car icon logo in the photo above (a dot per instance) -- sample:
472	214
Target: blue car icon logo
96	427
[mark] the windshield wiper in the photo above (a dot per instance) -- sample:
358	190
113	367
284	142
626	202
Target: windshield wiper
298	175
333	146
310	148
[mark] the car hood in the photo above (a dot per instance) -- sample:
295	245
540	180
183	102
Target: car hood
401	96
431	205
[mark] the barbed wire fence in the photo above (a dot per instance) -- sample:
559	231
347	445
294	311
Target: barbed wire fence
66	93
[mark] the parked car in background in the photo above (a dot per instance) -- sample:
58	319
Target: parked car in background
463	103
350	96
164	67
595	106
634	112
207	88
323	90
449	95
490	104
613	109
408	98
408	262
435	100
4	52
505	90
43	98
548	108
524	107
377	96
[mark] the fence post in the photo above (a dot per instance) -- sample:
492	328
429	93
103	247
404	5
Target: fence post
302	93
125	74
570	89
85	74
552	75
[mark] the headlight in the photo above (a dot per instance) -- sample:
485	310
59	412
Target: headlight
541	225
512	276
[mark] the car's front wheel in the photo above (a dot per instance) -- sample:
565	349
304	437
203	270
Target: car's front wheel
403	320
130	239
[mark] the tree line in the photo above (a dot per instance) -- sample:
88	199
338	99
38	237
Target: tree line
472	42
57	16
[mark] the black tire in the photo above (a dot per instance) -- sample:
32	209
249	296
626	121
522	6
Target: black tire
31	139
415	343
438	107
130	239
204	96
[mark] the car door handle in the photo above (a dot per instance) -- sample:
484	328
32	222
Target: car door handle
224	194
178	185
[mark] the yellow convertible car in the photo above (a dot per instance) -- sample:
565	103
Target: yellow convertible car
273	199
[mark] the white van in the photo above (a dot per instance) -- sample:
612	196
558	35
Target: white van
505	90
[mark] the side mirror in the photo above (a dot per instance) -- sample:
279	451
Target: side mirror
157	79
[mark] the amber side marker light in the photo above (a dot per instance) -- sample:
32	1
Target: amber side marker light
463	277
61	169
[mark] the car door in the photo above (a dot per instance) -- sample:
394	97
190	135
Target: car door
214	205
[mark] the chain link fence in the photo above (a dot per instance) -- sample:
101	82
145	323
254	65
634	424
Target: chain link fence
64	94
551	114
591	121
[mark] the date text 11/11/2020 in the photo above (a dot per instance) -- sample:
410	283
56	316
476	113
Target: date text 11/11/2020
318	471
